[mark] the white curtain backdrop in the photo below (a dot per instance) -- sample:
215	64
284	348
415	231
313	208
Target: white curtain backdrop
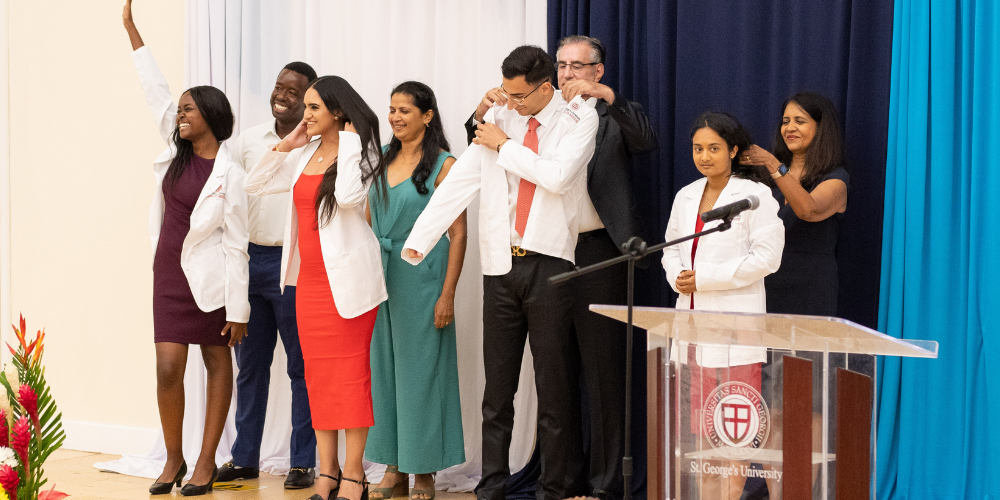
456	47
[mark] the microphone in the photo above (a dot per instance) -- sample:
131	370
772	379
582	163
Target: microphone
729	211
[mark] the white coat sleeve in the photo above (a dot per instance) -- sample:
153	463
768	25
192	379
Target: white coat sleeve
454	194
272	174
235	239
556	172
672	262
154	85
350	188
767	240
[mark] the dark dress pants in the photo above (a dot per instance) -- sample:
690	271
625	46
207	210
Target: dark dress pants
601	364
271	313
515	304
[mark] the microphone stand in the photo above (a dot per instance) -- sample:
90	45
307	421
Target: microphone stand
634	249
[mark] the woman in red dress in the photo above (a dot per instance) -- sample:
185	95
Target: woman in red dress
331	255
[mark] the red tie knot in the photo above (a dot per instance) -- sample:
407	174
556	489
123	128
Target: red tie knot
532	124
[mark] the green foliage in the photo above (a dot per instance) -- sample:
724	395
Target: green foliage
50	436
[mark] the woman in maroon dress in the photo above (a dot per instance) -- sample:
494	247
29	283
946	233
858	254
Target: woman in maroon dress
198	226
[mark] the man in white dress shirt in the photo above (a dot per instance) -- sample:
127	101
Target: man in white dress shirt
271	312
528	166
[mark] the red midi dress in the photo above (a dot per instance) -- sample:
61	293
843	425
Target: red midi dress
336	350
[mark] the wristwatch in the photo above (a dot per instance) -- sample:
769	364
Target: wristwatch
782	170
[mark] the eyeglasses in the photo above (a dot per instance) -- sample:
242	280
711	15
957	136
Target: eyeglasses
576	66
519	100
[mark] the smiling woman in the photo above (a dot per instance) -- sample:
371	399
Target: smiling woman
198	227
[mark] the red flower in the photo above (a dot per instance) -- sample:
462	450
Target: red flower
9	480
4	430
29	400
22	437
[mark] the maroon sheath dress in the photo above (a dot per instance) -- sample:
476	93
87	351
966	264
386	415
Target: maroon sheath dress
176	316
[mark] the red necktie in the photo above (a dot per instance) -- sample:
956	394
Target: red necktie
526	189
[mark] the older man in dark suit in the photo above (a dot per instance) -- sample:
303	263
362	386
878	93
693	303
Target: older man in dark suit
608	220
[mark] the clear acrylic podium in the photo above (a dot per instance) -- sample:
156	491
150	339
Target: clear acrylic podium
742	401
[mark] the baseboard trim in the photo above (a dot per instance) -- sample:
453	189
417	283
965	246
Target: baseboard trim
110	439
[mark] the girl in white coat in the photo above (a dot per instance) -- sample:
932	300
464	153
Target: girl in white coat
722	271
198	227
334	260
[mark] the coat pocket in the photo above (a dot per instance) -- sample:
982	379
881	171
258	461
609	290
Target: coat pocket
206	273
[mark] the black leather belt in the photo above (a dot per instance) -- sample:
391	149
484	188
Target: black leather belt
516	251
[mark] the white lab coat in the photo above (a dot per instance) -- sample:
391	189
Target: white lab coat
730	266
351	252
559	173
214	255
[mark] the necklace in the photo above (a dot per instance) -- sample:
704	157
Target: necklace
322	155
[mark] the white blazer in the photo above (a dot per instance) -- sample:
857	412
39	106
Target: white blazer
730	266
214	255
559	172
351	252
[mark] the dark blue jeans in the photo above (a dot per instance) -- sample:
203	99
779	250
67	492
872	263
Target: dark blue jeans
271	313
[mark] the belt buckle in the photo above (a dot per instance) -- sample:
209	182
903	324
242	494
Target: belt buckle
516	251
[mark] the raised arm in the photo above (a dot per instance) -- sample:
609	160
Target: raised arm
274	172
636	130
350	188
154	84
556	171
133	33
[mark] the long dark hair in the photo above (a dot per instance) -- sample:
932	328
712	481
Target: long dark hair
826	151
218	114
433	142
338	95
734	134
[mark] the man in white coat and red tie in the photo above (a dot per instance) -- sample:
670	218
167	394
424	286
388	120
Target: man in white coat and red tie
528	165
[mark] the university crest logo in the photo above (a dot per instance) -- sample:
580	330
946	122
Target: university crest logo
736	420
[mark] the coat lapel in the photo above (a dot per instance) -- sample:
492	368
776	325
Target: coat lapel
216	178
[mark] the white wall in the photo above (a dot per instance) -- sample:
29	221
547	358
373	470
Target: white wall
82	143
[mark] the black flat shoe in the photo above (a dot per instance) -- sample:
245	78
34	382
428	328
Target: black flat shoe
334	491
230	472
299	477
190	490
165	488
364	487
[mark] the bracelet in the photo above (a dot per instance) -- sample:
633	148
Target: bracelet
275	148
502	143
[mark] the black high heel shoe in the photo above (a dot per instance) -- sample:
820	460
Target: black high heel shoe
364	487
334	491
165	488
190	490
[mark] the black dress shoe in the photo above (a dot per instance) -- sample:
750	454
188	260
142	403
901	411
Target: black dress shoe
230	472
190	490
165	488
299	477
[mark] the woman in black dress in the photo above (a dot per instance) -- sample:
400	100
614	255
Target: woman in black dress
198	227
810	184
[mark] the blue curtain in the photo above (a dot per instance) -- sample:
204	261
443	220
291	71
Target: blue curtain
939	436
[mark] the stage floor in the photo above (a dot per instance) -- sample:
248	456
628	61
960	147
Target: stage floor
73	472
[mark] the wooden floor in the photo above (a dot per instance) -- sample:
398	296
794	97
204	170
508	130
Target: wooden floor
73	472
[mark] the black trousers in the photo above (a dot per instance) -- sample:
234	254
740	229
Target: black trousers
515	304
600	342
